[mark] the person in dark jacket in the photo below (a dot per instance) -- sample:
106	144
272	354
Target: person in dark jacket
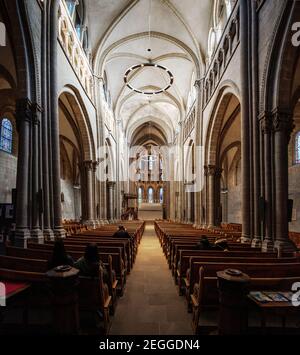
59	256
204	244
90	263
122	233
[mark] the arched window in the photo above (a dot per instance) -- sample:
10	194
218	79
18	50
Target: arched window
140	195
212	39
151	162
161	195
297	148
6	136
71	4
150	195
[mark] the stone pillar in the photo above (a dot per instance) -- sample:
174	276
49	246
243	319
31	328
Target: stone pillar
24	114
110	201
199	156
54	122
205	207
283	126
36	232
95	194
211	173
245	120
257	240
233	315
218	175
88	165
266	128
188	204
44	156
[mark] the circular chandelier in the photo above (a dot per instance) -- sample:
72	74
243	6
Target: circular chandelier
145	65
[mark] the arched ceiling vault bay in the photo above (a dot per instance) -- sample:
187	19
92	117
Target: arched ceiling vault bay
119	35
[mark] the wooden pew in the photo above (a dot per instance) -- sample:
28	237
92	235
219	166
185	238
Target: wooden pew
112	266
206	296
76	251
255	270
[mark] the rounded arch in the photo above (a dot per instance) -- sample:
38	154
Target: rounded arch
81	116
225	94
282	58
19	36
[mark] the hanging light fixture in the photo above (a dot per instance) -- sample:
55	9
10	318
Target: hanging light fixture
130	71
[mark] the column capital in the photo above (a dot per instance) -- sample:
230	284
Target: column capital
199	83
283	121
88	164
213	170
95	165
265	119
111	184
36	110
24	110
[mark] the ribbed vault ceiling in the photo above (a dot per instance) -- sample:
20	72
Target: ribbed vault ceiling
119	35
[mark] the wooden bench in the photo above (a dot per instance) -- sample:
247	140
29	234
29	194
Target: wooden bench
206	296
255	270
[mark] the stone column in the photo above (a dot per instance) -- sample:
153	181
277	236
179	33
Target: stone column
205	206
283	126
44	156
199	185
54	122
95	194
257	240
245	120
88	165
188	204
211	173
36	232
24	115
110	187
266	128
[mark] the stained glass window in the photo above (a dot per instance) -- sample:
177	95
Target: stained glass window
161	195
297	148
6	136
151	162
150	195
140	195
71	6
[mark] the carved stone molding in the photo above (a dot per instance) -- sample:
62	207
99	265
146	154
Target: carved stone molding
283	122
23	110
265	120
88	164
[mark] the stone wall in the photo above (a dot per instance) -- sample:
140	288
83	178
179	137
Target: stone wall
71	206
8	176
294	194
235	195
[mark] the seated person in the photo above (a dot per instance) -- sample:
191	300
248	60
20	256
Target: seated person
122	233
59	256
90	263
221	244
204	244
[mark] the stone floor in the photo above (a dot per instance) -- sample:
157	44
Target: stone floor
151	305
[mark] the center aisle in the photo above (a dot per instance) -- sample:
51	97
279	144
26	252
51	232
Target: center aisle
151	305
